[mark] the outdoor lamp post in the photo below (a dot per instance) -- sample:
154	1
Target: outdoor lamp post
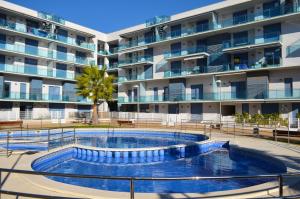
219	84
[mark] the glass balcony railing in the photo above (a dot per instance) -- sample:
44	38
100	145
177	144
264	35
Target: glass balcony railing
44	34
112	66
215	96
234	21
44	53
43	97
157	20
122	79
34	70
28	50
264	39
51	17
185	52
135	60
270	62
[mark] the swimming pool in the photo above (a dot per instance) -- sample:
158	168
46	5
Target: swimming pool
199	159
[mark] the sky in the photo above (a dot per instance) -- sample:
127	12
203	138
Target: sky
111	15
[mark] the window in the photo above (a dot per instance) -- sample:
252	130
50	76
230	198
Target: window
57	111
36	89
272	56
240	17
197	92
23	91
156	108
197	109
155	94
272	32
80	39
176	49
175	68
148	71
2	62
238	90
7	93
149	37
202	26
62	35
240	61
31	66
54	93
31	46
245	108
61	70
2	39
176	31
269	108
61	53
271	9
173	108
240	38
288	87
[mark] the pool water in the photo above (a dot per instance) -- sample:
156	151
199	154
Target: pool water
133	142
222	162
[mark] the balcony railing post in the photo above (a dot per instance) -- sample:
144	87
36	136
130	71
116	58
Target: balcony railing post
280	186
131	188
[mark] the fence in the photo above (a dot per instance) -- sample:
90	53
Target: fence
32	139
132	180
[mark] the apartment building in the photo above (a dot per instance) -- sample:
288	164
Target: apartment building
236	55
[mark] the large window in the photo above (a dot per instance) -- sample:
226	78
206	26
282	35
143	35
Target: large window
272	56
240	17
176	31
197	92
240	38
31	66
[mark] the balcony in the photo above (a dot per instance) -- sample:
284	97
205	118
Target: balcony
27	50
37	71
234	21
136	61
112	66
123	79
190	53
20	96
44	53
157	20
241	44
277	94
51	17
187	71
4	24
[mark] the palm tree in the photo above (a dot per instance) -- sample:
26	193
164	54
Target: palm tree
95	84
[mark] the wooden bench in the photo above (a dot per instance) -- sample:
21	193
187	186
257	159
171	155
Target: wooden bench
126	122
17	123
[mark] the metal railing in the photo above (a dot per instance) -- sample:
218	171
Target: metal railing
50	138
279	178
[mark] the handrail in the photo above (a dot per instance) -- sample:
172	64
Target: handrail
279	178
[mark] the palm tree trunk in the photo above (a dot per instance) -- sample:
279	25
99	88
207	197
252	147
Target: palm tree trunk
95	114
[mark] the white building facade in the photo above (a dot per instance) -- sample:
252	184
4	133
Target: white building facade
244	54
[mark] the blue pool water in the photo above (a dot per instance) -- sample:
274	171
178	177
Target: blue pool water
222	162
101	139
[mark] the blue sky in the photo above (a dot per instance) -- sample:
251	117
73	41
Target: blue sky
111	15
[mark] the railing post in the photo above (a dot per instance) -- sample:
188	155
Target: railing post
210	130
74	136
204	129
7	143
131	188
280	186
62	137
48	139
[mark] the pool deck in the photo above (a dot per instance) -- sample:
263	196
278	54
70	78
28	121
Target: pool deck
288	154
